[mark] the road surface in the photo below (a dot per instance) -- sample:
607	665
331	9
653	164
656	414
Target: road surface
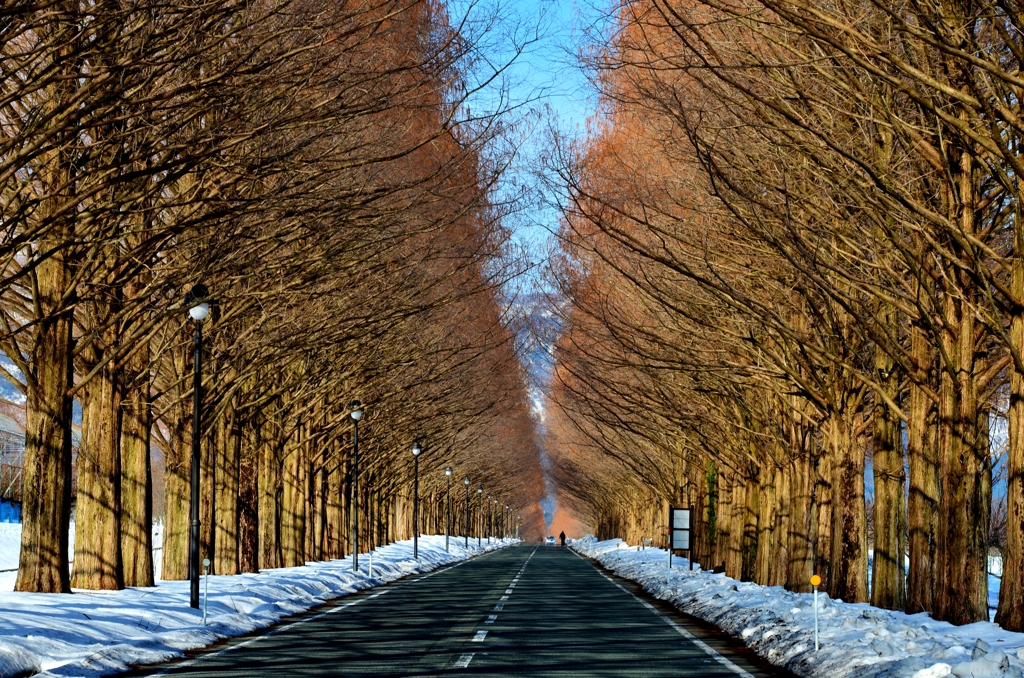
523	611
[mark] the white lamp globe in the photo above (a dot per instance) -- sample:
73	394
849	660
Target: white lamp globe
199	311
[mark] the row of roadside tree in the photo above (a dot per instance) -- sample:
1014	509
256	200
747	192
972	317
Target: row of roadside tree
314	166
793	257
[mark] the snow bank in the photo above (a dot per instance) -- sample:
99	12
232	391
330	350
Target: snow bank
856	640
96	633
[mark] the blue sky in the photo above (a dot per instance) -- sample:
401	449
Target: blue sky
544	83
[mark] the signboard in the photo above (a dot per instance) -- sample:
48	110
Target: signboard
679	524
680	519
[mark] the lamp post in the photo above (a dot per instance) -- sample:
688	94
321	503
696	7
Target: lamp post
447	507
480	513
492	519
197	300
489	523
465	481
518	520
417	449
356	414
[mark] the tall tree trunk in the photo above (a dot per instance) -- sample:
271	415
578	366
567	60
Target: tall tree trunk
249	499
98	563
270	493
801	524
136	473
888	585
177	491
1010	614
782	517
335	519
734	560
293	503
226	454
46	494
923	498
961	597
849	554
724	511
766	507
823	495
46	474
752	496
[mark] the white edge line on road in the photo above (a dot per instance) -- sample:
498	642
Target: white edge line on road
678	629
479	637
463	661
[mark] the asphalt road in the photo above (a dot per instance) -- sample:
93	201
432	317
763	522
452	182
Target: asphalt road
522	611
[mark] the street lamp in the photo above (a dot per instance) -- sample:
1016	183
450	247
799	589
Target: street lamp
466	483
417	449
489	523
518	520
480	514
447	507
198	302
356	414
507	512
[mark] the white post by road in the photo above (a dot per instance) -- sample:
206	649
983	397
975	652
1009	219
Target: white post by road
371	564
815	582
206	586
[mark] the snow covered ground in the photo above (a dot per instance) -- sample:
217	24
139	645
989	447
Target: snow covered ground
856	640
91	633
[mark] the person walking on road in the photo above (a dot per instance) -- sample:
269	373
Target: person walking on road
561	537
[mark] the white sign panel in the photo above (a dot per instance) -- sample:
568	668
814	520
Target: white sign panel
681	540
680	519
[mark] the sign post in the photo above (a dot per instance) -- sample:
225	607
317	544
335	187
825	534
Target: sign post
679	532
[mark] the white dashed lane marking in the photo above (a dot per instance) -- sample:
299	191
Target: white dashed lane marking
465	659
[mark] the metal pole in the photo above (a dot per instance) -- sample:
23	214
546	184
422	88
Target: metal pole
416	508
467	514
355	495
479	517
197	400
447	512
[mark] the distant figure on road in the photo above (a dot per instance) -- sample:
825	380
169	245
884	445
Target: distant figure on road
561	537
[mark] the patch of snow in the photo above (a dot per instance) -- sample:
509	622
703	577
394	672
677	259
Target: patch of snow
856	640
